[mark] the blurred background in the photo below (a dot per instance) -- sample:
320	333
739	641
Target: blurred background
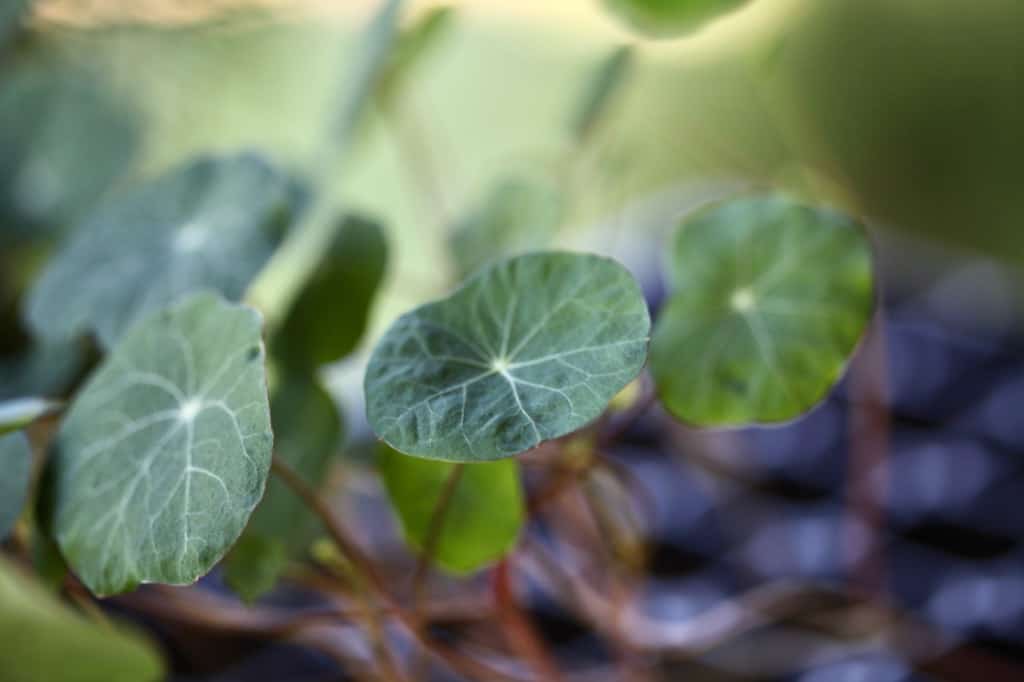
776	546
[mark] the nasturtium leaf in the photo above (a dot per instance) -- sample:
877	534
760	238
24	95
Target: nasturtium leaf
327	320
770	300
670	18
11	14
414	44
211	224
19	413
64	140
609	78
44	641
307	434
481	519
165	452
15	475
529	349
518	215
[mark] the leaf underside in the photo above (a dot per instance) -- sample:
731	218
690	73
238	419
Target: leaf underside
44	641
530	349
482	518
211	224
165	452
771	299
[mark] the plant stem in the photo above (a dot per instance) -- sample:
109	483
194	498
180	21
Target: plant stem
465	665
434	530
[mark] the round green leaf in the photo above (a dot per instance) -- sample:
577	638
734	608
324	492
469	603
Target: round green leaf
16	465
165	452
670	18
211	224
529	349
771	299
483	515
308	432
518	215
45	641
19	413
330	314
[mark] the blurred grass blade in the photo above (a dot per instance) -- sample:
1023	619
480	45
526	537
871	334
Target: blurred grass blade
611	76
368	66
414	45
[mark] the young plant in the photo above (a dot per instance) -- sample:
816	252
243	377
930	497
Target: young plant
160	463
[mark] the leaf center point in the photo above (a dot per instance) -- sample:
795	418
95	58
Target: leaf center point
189	410
742	300
191	238
501	365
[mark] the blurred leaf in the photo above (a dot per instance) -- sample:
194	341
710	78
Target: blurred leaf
63	142
164	454
330	314
44	641
482	517
308	433
608	80
519	215
11	14
413	47
18	413
670	18
16	465
211	224
46	369
771	298
529	349
255	564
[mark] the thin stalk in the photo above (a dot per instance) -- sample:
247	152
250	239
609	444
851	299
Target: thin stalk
433	539
458	661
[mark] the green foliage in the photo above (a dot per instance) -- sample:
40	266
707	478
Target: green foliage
42	368
11	14
670	18
519	214
330	314
165	452
16	465
63	141
19	413
476	517
307	434
211	224
529	349
771	298
44	641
